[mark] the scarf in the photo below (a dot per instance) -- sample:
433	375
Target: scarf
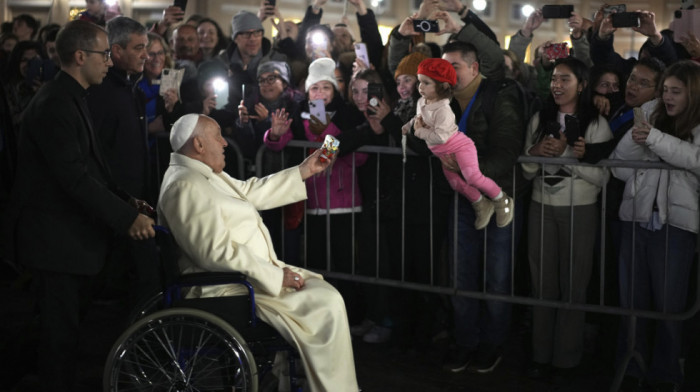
465	95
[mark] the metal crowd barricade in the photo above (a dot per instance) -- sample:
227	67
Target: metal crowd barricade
600	307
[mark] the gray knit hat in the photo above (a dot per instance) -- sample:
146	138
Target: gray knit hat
244	21
277	67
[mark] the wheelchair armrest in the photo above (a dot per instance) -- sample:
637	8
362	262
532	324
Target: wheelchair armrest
173	292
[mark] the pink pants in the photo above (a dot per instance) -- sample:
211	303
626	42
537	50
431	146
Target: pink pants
471	183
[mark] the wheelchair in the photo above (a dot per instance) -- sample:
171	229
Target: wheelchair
199	344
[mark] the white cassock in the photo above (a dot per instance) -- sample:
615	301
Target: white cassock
214	219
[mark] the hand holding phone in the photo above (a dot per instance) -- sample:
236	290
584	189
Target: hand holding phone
639	117
572	129
361	53
625	19
557	11
317	108
375	93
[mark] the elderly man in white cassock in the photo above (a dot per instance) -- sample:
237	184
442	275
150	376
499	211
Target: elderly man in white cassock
214	219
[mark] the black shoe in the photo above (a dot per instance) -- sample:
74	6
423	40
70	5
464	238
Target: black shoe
458	359
538	371
485	361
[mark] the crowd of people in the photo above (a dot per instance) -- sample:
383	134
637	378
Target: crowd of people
80	173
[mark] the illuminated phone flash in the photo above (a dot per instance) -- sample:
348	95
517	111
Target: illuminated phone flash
318	38
221	90
111	3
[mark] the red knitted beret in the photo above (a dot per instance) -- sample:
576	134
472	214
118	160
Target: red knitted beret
438	69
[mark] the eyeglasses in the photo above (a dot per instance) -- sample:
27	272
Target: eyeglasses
251	34
106	53
159	53
268	80
643	83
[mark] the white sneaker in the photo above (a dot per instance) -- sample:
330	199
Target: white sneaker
377	335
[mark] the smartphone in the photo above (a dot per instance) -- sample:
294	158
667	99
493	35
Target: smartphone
180	3
375	93
552	129
318	109
614	9
243	92
556	51
272	3
221	92
557	11
571	129
361	52
425	26
685	22
625	19
35	68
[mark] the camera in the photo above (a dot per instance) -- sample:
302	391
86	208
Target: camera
625	19
426	26
557	11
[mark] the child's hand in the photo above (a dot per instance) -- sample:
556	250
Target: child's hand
419	122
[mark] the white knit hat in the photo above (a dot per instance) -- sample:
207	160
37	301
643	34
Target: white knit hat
182	130
321	69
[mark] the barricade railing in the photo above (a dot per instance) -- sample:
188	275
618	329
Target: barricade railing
600	307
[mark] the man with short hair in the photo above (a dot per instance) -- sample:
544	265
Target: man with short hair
214	220
118	108
67	207
24	26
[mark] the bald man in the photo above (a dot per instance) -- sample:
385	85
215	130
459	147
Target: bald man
215	221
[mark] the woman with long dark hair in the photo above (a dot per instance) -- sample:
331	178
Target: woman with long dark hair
563	217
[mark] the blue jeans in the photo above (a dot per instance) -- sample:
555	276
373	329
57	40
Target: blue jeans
474	326
660	282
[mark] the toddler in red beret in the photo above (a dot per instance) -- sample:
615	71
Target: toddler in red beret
435	123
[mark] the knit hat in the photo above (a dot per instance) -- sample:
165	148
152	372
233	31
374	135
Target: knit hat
182	130
438	69
244	21
321	69
277	67
409	64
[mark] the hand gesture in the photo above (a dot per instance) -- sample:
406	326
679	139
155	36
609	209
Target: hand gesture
142	228
171	15
559	144
419	123
640	132
647	27
260	111
691	43
381	110
266	10
243	113
428	8
170	99
374	123
452	5
406	27
316	126
313	164
532	23
292	280
576	25
209	104
606	28
280	123
359	65
451	27
602	104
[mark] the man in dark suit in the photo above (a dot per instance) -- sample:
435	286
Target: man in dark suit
67	209
118	109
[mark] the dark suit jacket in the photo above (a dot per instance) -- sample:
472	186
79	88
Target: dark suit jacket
67	210
118	110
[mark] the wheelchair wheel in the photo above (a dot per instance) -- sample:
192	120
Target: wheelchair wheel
147	306
180	349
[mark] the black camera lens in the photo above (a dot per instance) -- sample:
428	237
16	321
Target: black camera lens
678	14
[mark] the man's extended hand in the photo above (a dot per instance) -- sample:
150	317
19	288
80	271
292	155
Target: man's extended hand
313	164
142	228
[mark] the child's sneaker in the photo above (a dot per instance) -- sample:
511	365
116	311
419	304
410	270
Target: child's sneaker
504	210
483	209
